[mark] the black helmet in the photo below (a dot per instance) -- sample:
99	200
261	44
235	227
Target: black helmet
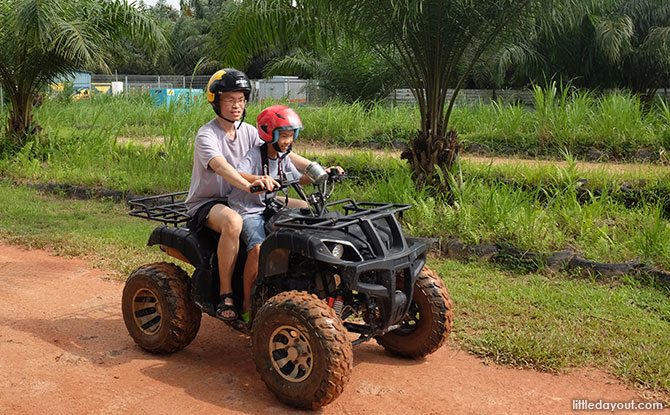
227	80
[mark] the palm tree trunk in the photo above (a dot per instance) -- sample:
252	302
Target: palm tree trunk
20	124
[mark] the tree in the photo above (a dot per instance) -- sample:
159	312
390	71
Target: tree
42	40
600	44
431	44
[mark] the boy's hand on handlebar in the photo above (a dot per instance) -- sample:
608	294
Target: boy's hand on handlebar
263	184
332	169
336	173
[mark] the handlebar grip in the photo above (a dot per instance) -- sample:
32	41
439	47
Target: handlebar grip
256	189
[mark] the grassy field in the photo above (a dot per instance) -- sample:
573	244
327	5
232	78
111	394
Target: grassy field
540	320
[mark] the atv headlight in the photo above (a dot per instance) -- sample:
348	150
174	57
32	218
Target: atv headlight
343	250
337	250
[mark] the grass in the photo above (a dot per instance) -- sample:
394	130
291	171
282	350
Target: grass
100	231
549	323
541	210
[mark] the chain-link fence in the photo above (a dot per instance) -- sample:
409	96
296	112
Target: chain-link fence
292	89
147	82
280	87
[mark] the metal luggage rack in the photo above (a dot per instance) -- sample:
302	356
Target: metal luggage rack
354	213
168	208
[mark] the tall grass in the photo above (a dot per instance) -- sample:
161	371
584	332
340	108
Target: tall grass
549	217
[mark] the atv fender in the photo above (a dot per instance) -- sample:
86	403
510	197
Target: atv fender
183	241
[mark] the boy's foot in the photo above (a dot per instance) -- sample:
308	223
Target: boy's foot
226	310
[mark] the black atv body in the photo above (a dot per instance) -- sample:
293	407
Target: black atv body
323	271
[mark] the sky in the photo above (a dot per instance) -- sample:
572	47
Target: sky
173	3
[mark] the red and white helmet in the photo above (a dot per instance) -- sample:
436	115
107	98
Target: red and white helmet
276	118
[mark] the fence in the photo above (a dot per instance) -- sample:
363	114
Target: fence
279	87
298	90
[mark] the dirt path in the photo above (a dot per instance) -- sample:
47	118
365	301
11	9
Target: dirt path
64	350
658	169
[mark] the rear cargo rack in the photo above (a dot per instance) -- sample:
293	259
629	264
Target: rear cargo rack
168	208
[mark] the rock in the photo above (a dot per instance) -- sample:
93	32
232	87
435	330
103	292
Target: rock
594	155
558	260
604	269
459	250
400	145
644	154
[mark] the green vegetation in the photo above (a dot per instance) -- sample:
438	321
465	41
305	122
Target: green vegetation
552	323
40	41
100	231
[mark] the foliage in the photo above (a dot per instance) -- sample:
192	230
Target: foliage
417	38
598	44
344	68
40	41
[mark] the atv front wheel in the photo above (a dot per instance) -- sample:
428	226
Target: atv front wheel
428	322
300	349
158	310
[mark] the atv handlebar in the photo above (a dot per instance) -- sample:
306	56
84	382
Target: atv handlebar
283	184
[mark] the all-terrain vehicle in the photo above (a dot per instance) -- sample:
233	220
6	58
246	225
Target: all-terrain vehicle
329	277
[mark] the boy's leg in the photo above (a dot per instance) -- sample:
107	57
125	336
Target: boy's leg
253	234
297	203
228	223
250	274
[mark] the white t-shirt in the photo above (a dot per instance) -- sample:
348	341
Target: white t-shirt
211	142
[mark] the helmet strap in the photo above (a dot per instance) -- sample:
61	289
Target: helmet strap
244	115
276	147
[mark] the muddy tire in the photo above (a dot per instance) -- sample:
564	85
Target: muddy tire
158	310
428	322
300	350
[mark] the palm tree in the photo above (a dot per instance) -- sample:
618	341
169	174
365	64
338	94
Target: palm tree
600	44
41	40
431	44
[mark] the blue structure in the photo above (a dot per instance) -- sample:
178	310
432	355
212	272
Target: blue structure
175	96
81	80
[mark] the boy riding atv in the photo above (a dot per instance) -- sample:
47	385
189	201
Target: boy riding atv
278	126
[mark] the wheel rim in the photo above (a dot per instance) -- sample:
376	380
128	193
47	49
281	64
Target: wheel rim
291	354
147	311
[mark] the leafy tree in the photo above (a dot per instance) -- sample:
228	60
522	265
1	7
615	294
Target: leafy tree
346	69
431	44
42	40
599	44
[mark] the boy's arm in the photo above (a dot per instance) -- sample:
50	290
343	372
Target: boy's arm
301	163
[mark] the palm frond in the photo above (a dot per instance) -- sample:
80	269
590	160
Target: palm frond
614	36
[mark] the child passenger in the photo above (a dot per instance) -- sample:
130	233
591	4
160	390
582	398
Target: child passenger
277	126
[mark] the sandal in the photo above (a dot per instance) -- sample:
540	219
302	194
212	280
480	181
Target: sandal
222	307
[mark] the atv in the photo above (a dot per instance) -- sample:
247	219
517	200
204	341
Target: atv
329	277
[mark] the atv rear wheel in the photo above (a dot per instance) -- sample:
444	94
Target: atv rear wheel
428	322
300	349
158	310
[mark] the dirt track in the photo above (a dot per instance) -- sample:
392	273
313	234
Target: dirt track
64	350
582	166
